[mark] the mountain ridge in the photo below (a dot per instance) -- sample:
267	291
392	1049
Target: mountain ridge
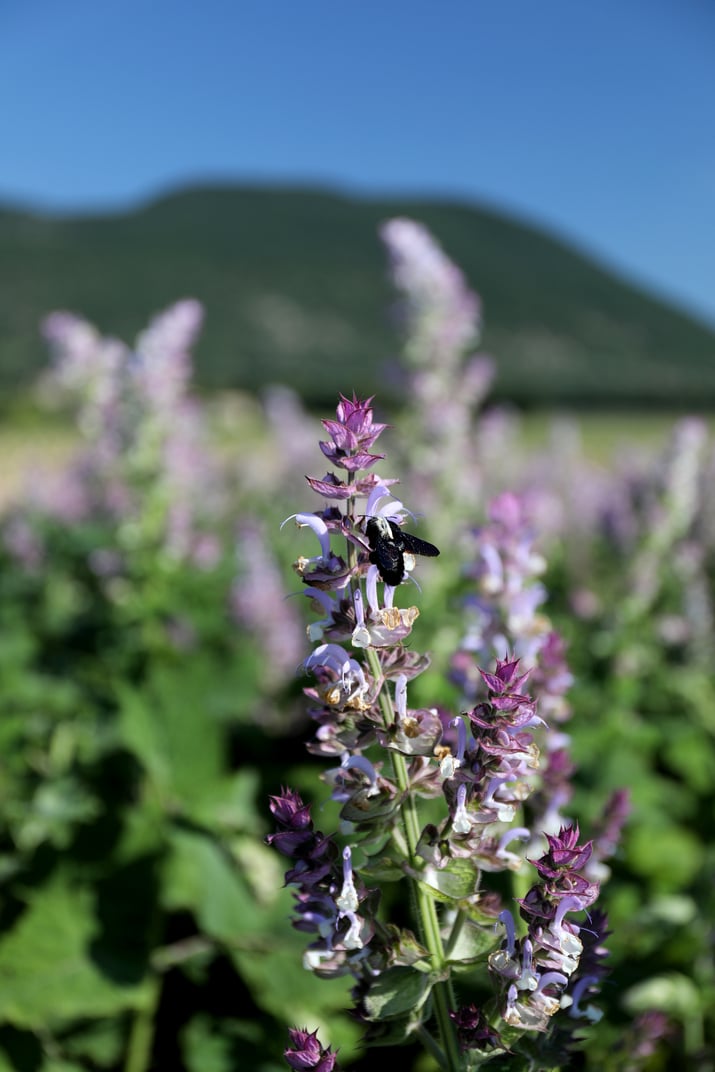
294	281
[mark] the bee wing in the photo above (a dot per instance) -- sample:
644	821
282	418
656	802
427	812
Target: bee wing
416	546
389	560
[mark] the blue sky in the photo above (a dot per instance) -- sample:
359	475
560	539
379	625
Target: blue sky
597	120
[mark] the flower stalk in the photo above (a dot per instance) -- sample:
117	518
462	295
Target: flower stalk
429	926
391	757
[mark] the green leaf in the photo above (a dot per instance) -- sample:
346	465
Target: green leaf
406	950
52	813
369	810
396	992
201	876
50	963
230	802
283	988
691	755
100	1042
205	1049
383	867
673	993
455	882
473	943
167	727
664	852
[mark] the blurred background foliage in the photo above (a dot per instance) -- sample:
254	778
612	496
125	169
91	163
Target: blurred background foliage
149	695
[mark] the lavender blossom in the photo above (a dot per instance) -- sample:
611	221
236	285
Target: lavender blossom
441	313
89	369
647	1031
161	369
258	604
328	904
22	541
535	970
440	317
504	615
671	515
146	466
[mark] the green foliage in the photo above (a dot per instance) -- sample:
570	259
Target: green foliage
130	826
143	921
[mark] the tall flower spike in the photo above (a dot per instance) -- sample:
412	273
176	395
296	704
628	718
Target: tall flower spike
439	318
482	766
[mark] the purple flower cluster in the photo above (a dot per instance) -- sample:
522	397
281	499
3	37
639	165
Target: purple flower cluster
329	904
503	616
489	776
474	1030
534	971
257	604
330	579
306	1054
667	543
146	467
441	313
446	382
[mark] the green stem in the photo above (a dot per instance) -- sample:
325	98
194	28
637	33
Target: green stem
141	1036
432	1046
427	910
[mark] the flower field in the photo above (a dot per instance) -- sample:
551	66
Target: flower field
416	753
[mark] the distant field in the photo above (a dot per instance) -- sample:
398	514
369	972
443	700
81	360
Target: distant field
29	449
37	445
604	435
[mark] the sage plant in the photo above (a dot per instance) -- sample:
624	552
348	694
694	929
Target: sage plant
431	804
146	466
504	614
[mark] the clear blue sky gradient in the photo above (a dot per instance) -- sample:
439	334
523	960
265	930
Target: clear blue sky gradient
597	120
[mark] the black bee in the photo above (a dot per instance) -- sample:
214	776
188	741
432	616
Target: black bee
388	546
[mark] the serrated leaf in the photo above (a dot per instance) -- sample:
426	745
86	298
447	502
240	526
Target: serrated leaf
279	984
230	803
396	992
679	856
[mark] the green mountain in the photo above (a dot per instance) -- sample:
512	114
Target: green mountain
295	288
